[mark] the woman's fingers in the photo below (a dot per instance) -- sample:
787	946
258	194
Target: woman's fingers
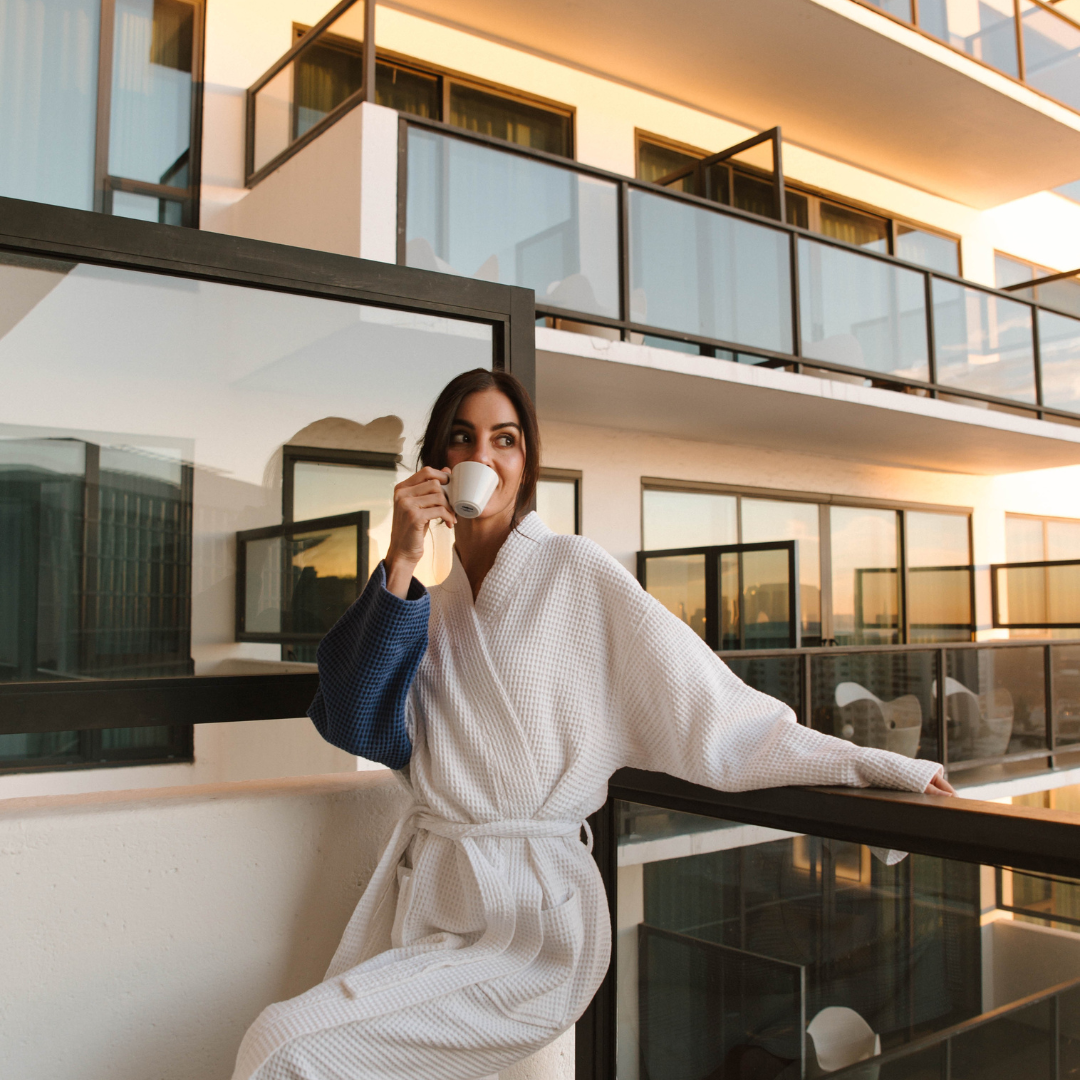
939	786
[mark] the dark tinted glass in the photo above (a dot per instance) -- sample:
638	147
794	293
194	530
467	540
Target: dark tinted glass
656	161
407	91
492	114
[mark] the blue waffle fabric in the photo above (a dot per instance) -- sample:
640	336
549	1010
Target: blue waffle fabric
366	665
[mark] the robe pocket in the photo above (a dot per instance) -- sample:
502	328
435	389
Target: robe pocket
540	992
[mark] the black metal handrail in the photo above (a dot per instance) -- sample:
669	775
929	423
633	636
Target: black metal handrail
797	359
989	834
996	570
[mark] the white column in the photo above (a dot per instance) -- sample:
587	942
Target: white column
378	183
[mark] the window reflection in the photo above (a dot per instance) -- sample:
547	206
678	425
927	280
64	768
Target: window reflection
865	586
939	577
677	519
772	519
557	504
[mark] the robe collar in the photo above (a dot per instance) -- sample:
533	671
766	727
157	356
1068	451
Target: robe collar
517	550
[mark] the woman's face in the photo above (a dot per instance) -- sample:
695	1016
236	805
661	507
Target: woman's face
487	429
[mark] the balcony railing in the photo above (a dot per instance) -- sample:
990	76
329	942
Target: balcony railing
1005	702
1026	39
795	933
651	264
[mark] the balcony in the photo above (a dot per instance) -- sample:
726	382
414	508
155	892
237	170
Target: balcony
940	107
207	903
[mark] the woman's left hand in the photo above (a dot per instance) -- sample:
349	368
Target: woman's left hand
939	786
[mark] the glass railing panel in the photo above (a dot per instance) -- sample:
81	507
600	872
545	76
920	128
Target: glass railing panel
884	700
485	213
939	603
1069	1033
1038	596
310	87
985	29
1065	671
983	342
778	676
731	941
678	582
1017	1044
698	271
1051	53
995	702
862	312
900	8
1063	294
1059	358
1043	899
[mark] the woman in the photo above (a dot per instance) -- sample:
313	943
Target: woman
507	696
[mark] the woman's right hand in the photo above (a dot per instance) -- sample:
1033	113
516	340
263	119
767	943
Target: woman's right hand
417	502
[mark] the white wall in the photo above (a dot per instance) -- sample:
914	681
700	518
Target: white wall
143	932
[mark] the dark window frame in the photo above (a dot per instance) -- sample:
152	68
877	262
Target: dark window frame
38	229
105	184
824	501
325	455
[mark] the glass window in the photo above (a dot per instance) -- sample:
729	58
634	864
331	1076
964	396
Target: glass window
927	249
150	123
557	504
862	312
754	194
865	587
408	91
48	100
985	29
1009	271
1062	540
322	489
1024	539
983	342
854	227
939	577
698	271
502	117
176	399
326	74
678	519
486	213
900	8
773	519
147	208
656	161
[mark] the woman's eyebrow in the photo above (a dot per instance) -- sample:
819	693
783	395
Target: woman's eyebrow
506	423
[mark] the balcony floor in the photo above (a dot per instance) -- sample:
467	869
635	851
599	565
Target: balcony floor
587	380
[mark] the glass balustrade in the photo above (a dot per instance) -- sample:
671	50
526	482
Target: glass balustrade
995	702
750	951
862	313
884	700
1065	674
1059	360
985	29
1051	53
481	212
702	272
983	342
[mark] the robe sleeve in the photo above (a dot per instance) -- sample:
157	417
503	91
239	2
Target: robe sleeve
366	665
686	713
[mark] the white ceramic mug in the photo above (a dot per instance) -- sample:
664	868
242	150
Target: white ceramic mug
470	488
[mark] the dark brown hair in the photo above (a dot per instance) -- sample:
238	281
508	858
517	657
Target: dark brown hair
436	441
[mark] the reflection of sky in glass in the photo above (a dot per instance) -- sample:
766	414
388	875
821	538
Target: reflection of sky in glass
937	539
678	519
772	519
1059	357
862	539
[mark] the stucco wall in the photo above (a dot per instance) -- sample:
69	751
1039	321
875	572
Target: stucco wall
143	932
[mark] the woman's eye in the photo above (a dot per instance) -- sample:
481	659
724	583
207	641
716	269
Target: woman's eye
459	437
505	440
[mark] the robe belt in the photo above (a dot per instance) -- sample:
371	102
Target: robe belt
496	898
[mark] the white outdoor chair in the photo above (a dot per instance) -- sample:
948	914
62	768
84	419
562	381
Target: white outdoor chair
841	1038
886	725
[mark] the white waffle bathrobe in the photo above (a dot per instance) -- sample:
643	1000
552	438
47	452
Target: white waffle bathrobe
484	932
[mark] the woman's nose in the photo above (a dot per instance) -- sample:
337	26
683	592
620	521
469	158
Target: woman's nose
481	452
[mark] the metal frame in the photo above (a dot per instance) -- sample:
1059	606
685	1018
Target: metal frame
713	555
708	345
106	184
291	454
995	594
287	531
38	229
966	830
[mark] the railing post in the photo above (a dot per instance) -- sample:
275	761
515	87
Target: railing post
931	343
1021	66
796	326
940	714
1036	353
623	240
369	51
806	697
1048	694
